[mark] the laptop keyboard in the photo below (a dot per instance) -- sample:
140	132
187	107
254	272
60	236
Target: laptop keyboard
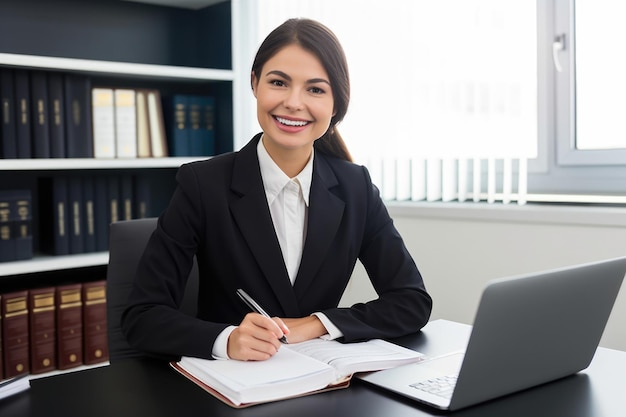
442	386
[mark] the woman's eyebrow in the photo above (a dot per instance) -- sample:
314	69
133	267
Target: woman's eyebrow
288	78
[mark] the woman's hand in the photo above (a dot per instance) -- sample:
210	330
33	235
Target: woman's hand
256	338
304	328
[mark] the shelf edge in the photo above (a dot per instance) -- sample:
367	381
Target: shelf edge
93	163
53	263
112	67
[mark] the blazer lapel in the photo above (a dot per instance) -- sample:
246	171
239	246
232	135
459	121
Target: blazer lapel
325	214
251	213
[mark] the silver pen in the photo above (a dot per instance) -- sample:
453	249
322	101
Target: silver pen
254	306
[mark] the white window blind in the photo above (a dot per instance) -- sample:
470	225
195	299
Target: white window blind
444	93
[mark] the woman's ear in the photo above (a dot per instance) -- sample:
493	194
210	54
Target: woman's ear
253	82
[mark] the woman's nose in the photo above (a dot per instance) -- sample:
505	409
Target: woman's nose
293	100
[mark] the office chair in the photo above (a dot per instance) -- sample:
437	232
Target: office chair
127	241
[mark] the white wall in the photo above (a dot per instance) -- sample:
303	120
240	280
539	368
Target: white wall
457	254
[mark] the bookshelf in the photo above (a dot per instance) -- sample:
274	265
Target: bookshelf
173	46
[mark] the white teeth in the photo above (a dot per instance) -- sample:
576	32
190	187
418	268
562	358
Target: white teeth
291	122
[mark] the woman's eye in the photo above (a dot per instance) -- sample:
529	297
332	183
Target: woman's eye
317	90
277	83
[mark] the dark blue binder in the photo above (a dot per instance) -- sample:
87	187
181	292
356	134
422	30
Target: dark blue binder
7	113
89	211
76	216
53	215
22	112
22	224
101	222
39	115
79	137
56	115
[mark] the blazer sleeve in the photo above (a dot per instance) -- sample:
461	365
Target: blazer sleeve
403	305
152	322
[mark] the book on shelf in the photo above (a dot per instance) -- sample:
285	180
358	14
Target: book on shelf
191	125
22	224
141	197
39	120
208	122
7	101
177	124
143	125
69	308
103	120
95	343
22	111
196	131
89	213
42	316
125	123
158	142
101	212
126	197
207	125
15	339
113	199
7	241
78	126
16	239
56	115
75	219
299	369
54	215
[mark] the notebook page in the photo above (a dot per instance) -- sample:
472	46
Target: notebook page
349	358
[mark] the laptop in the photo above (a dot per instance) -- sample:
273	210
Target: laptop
528	330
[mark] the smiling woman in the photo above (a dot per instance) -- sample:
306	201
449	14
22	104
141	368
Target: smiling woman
285	219
330	80
294	106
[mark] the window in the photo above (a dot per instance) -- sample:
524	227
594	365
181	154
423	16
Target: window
587	70
478	98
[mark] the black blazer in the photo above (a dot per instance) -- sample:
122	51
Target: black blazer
219	212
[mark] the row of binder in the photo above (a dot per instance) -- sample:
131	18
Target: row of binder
81	209
47	114
73	213
49	328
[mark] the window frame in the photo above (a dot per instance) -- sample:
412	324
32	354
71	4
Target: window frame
560	167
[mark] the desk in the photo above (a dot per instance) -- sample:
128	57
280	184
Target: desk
144	387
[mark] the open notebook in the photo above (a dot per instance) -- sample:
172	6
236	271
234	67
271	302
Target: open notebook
297	369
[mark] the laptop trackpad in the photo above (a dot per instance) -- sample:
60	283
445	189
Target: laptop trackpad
404	378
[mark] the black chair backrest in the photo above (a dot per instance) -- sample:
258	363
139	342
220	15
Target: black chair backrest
127	241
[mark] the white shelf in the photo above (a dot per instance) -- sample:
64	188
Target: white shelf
116	68
53	263
92	163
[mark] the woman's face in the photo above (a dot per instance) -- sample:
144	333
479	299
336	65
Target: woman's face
294	100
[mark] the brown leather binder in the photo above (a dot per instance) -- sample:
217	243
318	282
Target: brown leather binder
15	333
95	322
69	326
42	330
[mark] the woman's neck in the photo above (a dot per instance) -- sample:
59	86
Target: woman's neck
290	161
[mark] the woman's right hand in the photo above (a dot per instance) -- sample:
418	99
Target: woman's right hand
256	338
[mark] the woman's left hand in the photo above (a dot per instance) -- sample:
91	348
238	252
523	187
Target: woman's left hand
304	328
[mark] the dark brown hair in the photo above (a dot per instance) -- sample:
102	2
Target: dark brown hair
322	42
